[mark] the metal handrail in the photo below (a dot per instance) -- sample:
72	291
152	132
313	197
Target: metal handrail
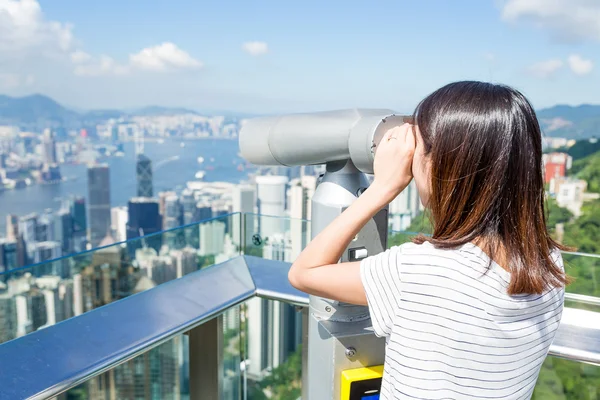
582	298
48	362
51	361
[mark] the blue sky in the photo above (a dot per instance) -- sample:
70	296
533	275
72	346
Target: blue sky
279	56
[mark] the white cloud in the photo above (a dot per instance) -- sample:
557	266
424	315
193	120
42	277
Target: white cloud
255	48
9	81
104	65
80	57
579	65
163	57
12	81
545	69
568	19
27	38
25	31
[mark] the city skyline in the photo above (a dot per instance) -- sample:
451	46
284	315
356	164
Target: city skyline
273	58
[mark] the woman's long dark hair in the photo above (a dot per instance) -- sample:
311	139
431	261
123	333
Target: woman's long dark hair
485	147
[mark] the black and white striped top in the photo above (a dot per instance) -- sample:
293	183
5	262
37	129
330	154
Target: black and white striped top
451	329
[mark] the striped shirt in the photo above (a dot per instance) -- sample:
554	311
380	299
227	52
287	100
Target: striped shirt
452	331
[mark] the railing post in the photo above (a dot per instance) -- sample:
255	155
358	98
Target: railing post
206	360
305	322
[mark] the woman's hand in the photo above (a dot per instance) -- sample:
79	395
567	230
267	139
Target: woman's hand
393	162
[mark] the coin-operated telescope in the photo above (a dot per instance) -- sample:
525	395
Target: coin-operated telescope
340	335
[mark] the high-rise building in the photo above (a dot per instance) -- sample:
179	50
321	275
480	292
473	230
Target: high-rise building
28	227
45	251
212	238
204	211
114	133
188	204
49	147
27	235
243	201
99	203
172	219
8	316
8	255
119	217
79	215
274	328
144	176
162	196
143	219
271	193
45	228
63	230
12	227
173	216
12	233
185	261
404	208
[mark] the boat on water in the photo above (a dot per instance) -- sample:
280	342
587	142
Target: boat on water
181	144
200	175
200	160
161	141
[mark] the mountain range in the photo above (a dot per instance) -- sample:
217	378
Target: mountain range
37	112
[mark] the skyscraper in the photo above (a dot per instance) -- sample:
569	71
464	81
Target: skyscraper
119	216
99	203
271	203
49	147
144	176
8	254
79	214
12	233
212	238
143	219
188	204
27	235
172	219
63	230
44	230
162	196
173	213
243	201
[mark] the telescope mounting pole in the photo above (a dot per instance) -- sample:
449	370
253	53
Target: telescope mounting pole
340	335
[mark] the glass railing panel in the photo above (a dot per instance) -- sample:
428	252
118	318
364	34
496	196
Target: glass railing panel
164	372
272	333
41	295
272	330
233	353
585	271
275	238
160	373
583	268
562	379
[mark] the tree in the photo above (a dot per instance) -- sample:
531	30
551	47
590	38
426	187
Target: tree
284	382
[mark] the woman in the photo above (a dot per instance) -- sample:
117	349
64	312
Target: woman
471	311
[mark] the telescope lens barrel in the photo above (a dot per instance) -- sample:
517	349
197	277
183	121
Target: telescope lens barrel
317	138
